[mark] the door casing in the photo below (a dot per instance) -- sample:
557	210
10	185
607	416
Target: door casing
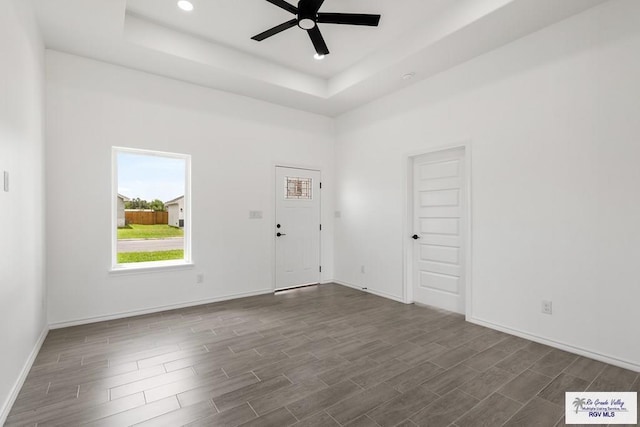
274	194
408	243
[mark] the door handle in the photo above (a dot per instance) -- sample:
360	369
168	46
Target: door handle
415	237
280	234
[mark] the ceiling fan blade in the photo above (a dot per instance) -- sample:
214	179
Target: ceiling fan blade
275	30
318	41
284	5
349	19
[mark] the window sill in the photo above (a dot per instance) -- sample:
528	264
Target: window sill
150	267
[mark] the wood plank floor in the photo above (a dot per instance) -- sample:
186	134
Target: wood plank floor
318	356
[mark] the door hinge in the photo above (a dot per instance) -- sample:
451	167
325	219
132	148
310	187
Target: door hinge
320	185
320	227
320	269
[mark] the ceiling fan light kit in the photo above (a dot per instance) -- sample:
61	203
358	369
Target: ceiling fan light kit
308	17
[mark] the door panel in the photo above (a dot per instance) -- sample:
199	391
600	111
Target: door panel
442	282
440	170
441	254
440	198
440	226
298	214
439	207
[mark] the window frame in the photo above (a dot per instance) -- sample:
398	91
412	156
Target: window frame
152	265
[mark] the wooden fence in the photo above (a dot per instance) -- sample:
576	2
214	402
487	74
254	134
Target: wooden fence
146	217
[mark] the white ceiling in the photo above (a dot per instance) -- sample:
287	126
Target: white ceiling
212	45
233	23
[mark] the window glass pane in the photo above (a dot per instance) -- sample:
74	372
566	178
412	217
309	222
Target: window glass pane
297	188
151	208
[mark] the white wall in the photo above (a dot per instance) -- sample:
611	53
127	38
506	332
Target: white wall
553	124
235	143
22	293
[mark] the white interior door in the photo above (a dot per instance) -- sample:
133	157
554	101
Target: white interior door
297	228
439	196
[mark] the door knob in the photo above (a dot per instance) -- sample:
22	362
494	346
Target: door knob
415	237
280	234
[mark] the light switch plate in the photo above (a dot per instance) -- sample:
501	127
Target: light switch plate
6	181
255	214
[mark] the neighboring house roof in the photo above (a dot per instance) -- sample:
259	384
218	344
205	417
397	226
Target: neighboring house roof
124	198
174	201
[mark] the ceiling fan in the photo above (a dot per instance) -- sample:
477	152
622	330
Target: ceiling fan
308	18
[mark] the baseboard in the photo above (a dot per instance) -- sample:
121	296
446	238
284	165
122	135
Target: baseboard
125	314
531	337
562	346
17	386
370	291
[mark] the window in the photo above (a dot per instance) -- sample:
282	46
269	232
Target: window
151	216
297	188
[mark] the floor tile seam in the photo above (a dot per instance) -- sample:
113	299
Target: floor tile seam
543	374
79	411
325	409
531	400
365	413
151	377
480	401
473	407
104	378
369	418
492	366
249	404
558	376
287	409
594	378
412	414
552	379
532	363
330	416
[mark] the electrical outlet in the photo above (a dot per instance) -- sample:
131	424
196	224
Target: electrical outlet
362	269
6	181
200	278
547	307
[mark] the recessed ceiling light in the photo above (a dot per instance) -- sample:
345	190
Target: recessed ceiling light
185	5
318	57
409	76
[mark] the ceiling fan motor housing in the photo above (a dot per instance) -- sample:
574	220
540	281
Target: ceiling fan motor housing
307	17
307	14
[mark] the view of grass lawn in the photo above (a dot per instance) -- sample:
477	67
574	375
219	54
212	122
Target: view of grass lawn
128	257
160	231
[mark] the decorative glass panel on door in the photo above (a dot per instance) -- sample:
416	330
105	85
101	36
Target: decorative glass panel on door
298	188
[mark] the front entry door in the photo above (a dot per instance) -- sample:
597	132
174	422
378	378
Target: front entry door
297	227
439	196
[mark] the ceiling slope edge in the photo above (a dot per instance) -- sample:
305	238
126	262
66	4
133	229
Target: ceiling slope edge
154	36
450	38
471	41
